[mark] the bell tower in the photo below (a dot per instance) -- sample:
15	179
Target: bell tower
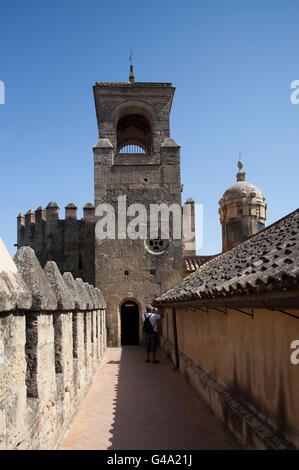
242	211
135	163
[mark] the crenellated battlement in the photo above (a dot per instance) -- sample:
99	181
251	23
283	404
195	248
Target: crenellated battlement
69	241
52	342
51	213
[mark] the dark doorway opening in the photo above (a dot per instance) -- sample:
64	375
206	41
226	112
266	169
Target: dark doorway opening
129	323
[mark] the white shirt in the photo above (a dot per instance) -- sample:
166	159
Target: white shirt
153	319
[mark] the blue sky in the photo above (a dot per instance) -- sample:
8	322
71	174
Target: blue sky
231	61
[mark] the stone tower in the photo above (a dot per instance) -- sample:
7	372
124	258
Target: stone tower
135	162
242	211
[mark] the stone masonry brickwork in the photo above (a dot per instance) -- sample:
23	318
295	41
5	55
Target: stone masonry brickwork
133	271
69	242
52	341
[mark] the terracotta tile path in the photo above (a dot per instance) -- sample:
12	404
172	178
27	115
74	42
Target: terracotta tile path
134	405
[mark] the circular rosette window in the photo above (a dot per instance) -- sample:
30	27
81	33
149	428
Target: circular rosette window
156	246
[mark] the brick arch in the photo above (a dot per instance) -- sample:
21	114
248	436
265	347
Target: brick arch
139	105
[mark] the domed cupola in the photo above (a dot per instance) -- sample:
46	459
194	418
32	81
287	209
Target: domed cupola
242	211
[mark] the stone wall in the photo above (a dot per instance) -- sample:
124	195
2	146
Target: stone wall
52	341
240	365
133	270
69	242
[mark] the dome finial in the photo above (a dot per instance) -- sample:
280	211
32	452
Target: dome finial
131	77
241	174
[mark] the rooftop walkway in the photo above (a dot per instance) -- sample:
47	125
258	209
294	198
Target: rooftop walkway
133	405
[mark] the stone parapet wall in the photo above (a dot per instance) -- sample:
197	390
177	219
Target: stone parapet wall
52	341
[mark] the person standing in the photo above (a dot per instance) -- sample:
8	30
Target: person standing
150	327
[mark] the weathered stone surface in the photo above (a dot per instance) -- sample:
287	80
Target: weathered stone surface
14	293
68	242
84	293
94	296
52	205
43	298
64	335
12	380
169	142
47	360
89	295
103	143
101	298
126	269
65	301
75	291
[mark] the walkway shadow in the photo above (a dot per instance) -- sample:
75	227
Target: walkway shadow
155	409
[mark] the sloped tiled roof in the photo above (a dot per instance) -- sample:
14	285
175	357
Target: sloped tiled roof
192	263
267	261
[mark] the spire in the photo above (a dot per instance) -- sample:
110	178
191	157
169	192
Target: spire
131	77
241	174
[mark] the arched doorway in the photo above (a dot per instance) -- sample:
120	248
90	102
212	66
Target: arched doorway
129	314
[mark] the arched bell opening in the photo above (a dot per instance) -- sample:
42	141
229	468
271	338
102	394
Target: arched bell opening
134	133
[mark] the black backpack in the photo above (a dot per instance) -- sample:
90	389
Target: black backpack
147	326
